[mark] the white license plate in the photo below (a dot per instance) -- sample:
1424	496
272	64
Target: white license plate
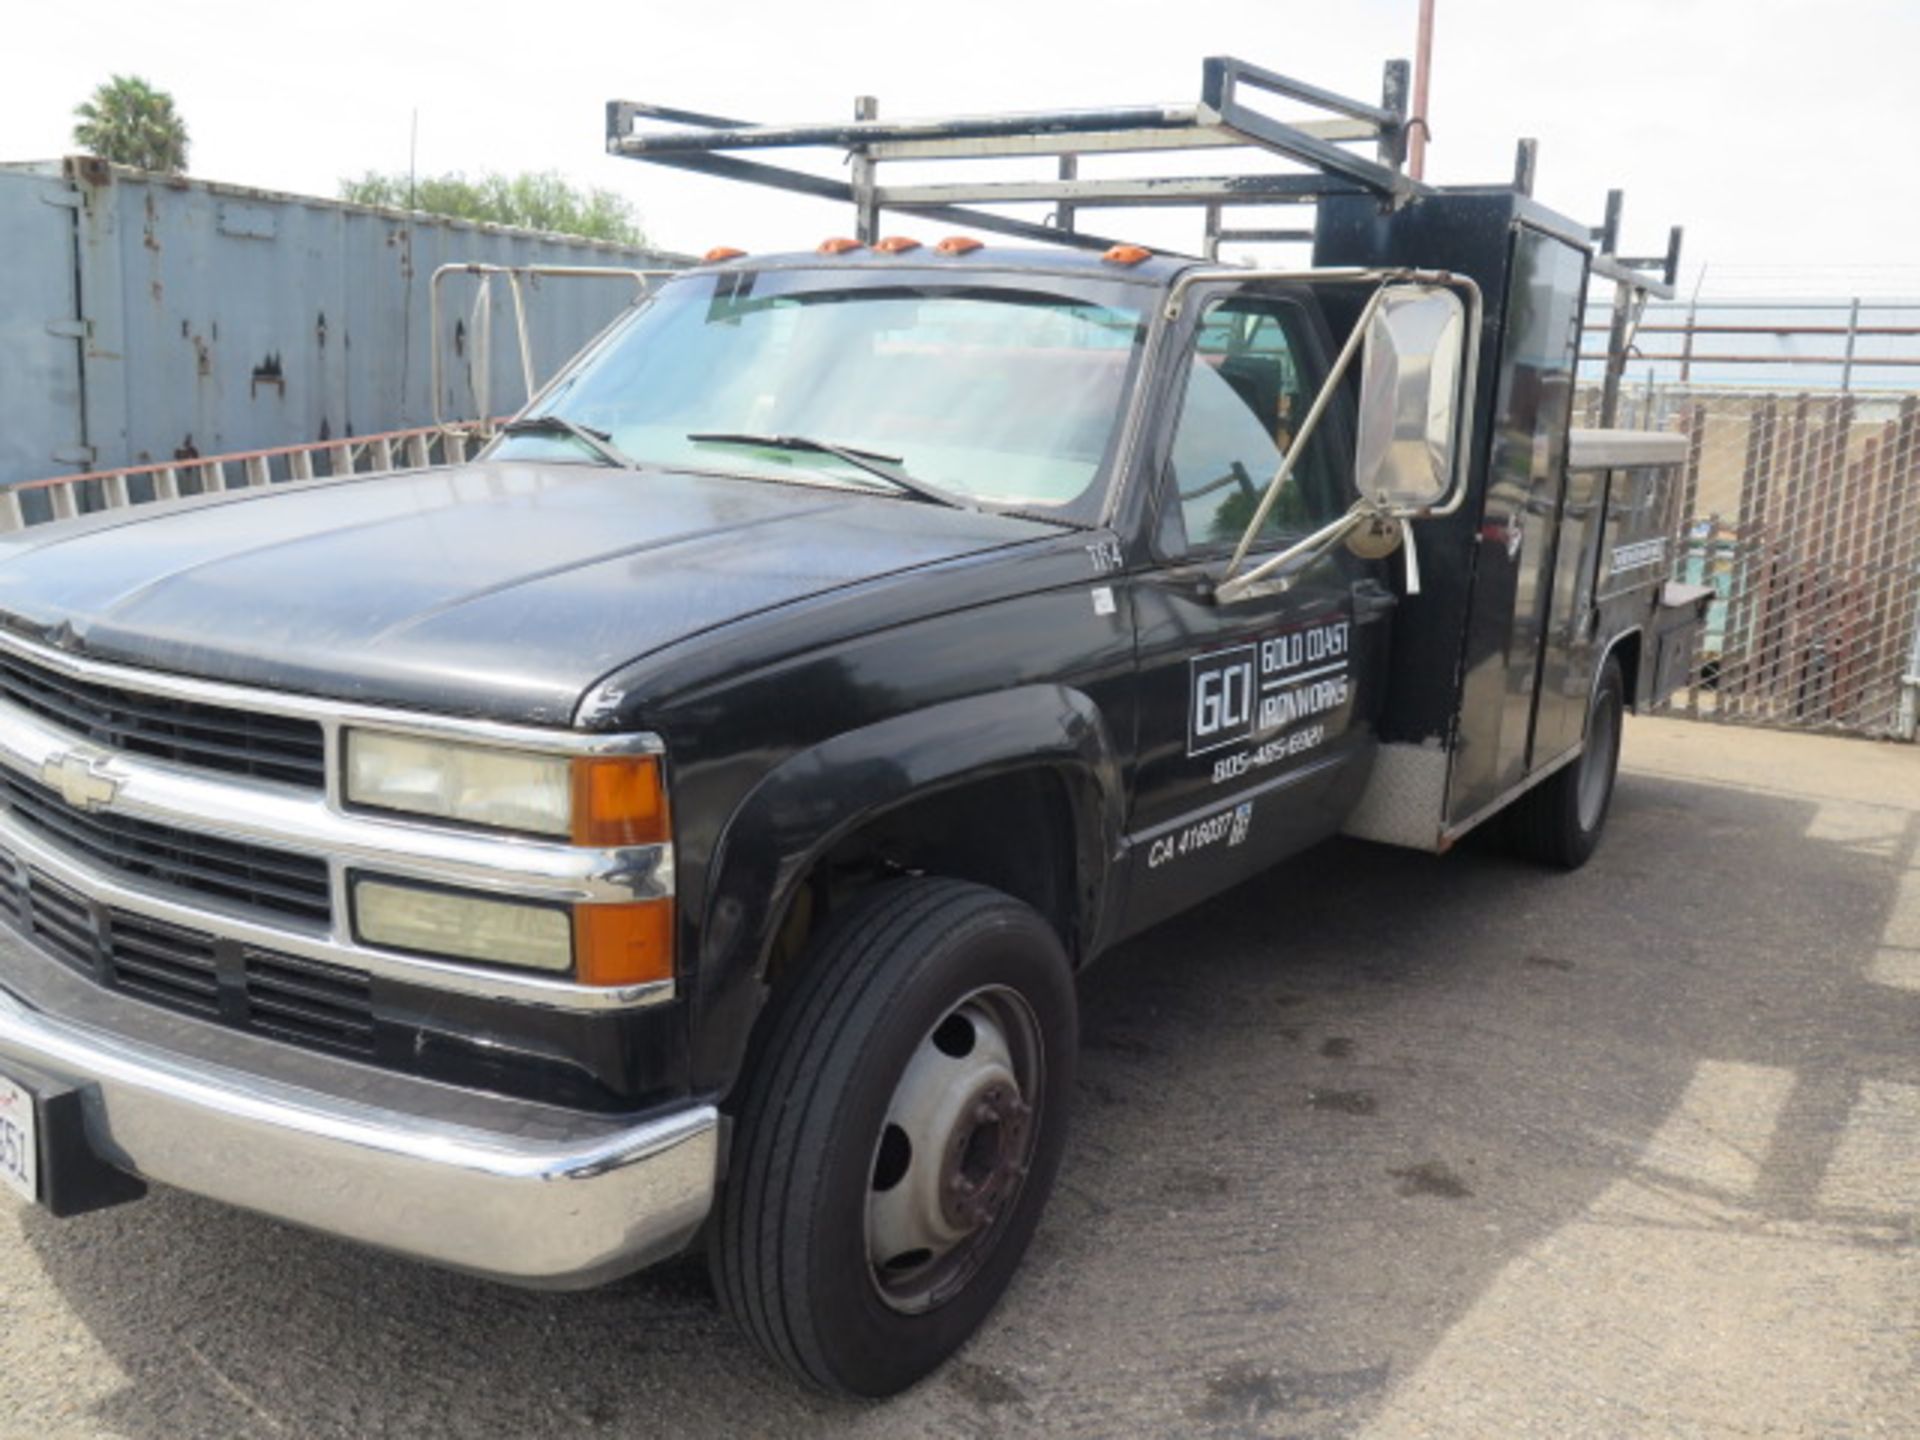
18	1147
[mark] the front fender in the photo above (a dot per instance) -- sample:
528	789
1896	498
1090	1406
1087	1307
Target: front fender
814	798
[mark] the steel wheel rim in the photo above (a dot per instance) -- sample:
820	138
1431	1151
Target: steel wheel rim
969	1119
1596	765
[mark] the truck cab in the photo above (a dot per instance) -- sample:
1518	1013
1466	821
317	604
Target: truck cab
684	824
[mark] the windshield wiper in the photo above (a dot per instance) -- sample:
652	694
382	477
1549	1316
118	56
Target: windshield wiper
887	467
598	441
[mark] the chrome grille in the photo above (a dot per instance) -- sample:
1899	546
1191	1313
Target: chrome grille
233	871
188	732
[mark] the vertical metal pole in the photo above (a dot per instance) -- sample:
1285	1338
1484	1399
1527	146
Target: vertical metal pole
1686	344
526	346
1212	248
1422	69
1853	336
1672	270
1393	100
866	223
1908	722
1063	216
1526	159
1622	314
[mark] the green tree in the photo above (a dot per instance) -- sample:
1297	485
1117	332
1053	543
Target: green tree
129	122
536	200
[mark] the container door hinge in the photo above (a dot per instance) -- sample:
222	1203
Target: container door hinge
71	329
73	455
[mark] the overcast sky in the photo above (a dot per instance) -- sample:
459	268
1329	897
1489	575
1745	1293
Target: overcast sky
1779	132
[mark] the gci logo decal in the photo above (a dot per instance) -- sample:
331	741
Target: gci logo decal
1223	693
1254	691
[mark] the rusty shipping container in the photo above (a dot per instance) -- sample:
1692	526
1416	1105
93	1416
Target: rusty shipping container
147	317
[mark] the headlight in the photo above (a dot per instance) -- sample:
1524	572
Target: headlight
628	944
591	800
465	927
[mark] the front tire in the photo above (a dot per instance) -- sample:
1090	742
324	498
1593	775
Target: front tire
898	1134
1559	821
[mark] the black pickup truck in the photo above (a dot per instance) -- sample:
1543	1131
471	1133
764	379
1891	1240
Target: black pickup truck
685	823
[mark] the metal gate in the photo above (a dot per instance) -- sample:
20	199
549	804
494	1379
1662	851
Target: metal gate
1802	511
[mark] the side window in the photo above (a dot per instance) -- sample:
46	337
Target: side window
1246	395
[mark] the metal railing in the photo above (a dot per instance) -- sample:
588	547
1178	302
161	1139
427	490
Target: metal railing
62	497
1854	343
480	372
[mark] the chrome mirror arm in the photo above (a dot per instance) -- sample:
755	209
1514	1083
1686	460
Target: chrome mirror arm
1321	401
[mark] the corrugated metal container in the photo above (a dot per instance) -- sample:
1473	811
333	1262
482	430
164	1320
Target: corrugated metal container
147	317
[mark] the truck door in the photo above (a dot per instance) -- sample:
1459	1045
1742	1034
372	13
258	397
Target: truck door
1256	717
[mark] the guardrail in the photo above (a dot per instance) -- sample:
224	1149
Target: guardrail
62	497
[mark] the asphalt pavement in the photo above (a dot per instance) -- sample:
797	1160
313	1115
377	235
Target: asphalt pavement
1381	1145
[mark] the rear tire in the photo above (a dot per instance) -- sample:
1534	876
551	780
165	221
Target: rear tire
898	1133
1559	821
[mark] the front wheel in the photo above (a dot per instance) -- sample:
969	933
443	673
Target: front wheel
1559	821
898	1135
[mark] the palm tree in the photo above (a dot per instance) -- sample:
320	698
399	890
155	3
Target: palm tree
129	122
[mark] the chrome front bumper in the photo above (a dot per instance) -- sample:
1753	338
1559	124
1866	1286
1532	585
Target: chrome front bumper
518	1192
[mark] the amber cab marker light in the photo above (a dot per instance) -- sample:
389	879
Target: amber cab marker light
1126	254
721	253
619	800
623	944
958	245
895	244
838	245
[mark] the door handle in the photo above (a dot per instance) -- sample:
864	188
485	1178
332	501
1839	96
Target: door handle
1372	601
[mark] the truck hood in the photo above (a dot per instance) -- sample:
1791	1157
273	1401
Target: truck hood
500	590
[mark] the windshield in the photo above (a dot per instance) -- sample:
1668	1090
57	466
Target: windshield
996	395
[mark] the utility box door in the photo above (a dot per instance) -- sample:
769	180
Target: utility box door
1512	617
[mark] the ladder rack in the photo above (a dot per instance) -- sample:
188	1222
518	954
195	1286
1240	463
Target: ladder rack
1329	147
1223	119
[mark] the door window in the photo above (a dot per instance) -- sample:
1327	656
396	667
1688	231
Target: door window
1247	392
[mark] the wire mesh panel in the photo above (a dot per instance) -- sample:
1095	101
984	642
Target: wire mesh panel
1802	511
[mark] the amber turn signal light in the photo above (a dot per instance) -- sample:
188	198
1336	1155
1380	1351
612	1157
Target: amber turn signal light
623	944
838	245
619	800
895	244
1126	254
719	253
958	245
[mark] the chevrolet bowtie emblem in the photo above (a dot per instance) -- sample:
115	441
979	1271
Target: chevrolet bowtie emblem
81	778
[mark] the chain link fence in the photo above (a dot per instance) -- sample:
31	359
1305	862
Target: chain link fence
1801	508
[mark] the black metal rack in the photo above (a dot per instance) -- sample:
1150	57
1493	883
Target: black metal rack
1222	121
1331	148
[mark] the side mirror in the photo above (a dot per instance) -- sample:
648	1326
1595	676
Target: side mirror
1410	397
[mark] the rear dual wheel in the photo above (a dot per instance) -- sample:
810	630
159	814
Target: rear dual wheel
898	1135
1559	821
